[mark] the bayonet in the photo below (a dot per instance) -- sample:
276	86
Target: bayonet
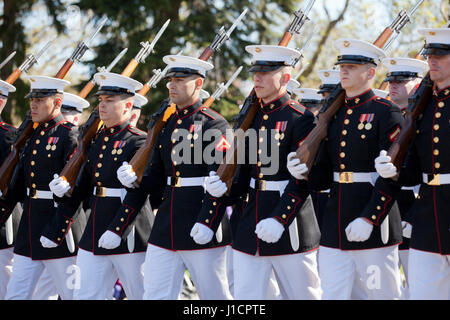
147	47
222	88
7	59
223	35
114	62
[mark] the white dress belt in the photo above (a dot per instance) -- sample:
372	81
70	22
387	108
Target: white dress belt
270	185
436	179
39	194
185	182
108	192
352	177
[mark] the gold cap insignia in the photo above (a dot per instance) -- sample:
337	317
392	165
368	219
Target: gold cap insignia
393	62
432	33
346	43
258	49
326	74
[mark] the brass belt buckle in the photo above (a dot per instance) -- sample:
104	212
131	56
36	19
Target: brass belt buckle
175	181
433	180
346	177
261	185
100	192
33	193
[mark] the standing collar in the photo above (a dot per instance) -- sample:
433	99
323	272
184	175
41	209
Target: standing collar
277	103
359	99
117	128
188	110
51	123
442	93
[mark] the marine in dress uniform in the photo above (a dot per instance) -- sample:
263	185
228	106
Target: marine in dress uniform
7	134
105	254
277	230
352	241
428	163
46	152
404	75
177	161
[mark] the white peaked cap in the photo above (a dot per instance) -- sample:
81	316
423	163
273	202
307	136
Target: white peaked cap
275	54
307	94
109	79
353	47
6	88
183	62
74	101
405	64
139	100
204	94
436	35
44	82
329	76
380	93
292	85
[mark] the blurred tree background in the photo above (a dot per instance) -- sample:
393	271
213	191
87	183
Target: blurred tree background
27	25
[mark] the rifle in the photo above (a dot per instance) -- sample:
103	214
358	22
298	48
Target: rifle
146	49
27	64
159	119
416	105
251	105
27	127
90	128
81	48
308	149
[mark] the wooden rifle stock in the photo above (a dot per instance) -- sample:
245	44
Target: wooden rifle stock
140	158
383	37
73	166
14	76
145	89
419	100
206	54
308	149
132	65
65	68
87	88
7	168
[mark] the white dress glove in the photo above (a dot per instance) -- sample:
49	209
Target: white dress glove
406	229
384	166
59	186
295	168
269	230
358	230
47	243
109	240
126	175
214	186
201	233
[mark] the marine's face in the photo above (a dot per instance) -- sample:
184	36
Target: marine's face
400	91
184	91
354	76
45	108
439	67
113	109
269	85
